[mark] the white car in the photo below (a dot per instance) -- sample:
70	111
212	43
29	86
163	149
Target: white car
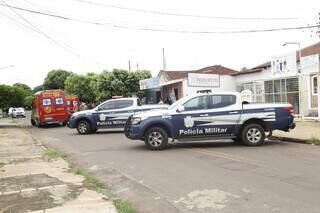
17	112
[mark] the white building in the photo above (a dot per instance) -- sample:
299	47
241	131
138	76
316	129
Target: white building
297	86
280	80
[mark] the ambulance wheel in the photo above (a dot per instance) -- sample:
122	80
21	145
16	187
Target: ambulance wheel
156	138
84	127
38	124
32	122
252	135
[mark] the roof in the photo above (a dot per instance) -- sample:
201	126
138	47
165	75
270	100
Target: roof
216	69
310	50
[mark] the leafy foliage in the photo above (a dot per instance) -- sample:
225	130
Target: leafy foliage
80	85
14	96
55	79
119	83
37	89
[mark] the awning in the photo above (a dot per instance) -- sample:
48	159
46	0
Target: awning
170	82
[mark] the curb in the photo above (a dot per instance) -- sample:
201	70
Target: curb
287	139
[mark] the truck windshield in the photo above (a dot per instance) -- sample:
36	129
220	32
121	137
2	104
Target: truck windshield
46	102
175	104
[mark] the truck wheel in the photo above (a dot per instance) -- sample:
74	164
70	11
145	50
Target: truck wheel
84	127
32	122
252	135
38	124
156	138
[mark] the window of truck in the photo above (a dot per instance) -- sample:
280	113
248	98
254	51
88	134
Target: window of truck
219	101
59	101
197	103
124	104
68	102
46	102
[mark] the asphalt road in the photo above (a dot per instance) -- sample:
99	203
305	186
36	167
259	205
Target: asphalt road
196	177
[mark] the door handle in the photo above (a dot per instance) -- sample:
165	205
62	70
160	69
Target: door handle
203	115
233	112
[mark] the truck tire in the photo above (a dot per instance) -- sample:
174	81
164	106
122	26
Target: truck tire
38	124
32	122
83	127
156	138
252	135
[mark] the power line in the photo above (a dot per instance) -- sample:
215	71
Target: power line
37	30
182	14
144	28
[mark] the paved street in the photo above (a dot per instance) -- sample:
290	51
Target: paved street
196	177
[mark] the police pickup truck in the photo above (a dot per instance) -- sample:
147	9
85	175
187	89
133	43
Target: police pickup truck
110	114
210	116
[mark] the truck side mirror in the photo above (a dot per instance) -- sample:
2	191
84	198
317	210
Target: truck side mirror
180	108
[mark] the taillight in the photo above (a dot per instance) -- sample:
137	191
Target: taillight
289	109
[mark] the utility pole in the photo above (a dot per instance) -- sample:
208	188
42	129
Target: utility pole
129	66
163	60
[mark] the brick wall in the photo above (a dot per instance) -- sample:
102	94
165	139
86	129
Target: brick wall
168	89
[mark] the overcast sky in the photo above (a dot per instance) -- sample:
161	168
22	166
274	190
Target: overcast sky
83	47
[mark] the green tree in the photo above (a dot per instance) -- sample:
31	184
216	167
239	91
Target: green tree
119	83
55	79
27	102
17	97
80	85
37	89
25	88
133	81
11	96
5	97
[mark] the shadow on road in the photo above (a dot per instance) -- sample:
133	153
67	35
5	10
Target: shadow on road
211	144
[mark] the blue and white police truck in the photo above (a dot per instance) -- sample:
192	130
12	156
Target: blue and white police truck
210	116
110	114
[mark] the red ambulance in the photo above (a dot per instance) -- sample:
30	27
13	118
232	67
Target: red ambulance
73	103
49	107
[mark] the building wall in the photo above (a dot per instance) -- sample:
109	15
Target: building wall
308	102
227	84
167	90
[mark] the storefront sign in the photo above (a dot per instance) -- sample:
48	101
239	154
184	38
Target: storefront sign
284	64
203	80
311	61
149	83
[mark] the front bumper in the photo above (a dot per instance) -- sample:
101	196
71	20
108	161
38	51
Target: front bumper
292	126
133	132
71	123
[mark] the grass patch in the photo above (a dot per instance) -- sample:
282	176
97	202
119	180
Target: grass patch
53	153
123	206
314	140
93	183
89	180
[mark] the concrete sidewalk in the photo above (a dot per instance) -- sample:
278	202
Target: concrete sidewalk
32	182
7	122
303	131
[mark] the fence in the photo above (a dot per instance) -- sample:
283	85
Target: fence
275	91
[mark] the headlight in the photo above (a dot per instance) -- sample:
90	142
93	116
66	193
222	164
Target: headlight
135	120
